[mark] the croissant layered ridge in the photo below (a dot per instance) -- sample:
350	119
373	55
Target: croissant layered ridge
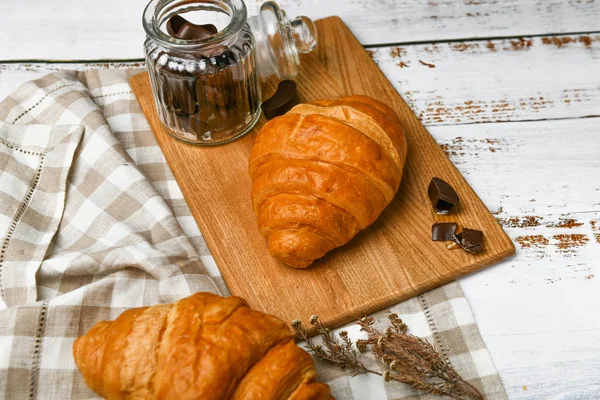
323	172
202	347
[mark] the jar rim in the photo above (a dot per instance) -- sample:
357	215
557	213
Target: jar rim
151	21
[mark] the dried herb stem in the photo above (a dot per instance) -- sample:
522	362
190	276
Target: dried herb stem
408	359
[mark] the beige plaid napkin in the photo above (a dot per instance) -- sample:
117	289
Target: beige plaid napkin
92	222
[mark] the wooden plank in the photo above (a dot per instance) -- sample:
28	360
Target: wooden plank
497	80
382	266
77	31
554	165
481	81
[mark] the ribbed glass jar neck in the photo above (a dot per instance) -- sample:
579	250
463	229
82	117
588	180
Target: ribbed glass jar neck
158	12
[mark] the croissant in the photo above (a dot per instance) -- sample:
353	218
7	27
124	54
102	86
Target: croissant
323	172
202	347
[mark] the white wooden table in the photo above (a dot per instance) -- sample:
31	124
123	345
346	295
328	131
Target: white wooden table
511	90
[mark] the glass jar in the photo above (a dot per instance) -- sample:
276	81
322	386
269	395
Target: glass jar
206	91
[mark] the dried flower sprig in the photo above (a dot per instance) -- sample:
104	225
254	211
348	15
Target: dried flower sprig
408	359
342	354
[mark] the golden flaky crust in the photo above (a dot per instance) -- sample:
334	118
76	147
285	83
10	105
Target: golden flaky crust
323	172
202	347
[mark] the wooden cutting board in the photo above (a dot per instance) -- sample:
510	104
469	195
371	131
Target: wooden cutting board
391	261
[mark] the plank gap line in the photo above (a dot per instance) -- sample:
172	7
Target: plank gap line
75	61
514	121
476	39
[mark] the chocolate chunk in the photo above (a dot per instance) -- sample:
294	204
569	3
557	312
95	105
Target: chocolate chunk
470	240
443	197
222	88
179	93
284	99
443	231
196	32
180	28
174	24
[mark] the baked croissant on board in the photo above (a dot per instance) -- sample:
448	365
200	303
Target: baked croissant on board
202	347
323	172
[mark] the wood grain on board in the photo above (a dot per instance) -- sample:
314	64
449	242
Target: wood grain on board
391	261
73	31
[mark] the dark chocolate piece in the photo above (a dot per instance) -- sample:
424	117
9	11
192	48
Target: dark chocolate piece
210	27
174	24
443	231
284	99
196	32
443	197
180	93
180	28
470	240
222	88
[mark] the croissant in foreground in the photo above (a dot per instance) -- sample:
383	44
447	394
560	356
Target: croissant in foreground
202	347
323	172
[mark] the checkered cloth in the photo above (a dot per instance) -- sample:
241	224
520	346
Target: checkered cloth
92	222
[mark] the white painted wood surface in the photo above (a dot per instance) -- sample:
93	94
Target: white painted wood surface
535	311
538	170
112	29
497	80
